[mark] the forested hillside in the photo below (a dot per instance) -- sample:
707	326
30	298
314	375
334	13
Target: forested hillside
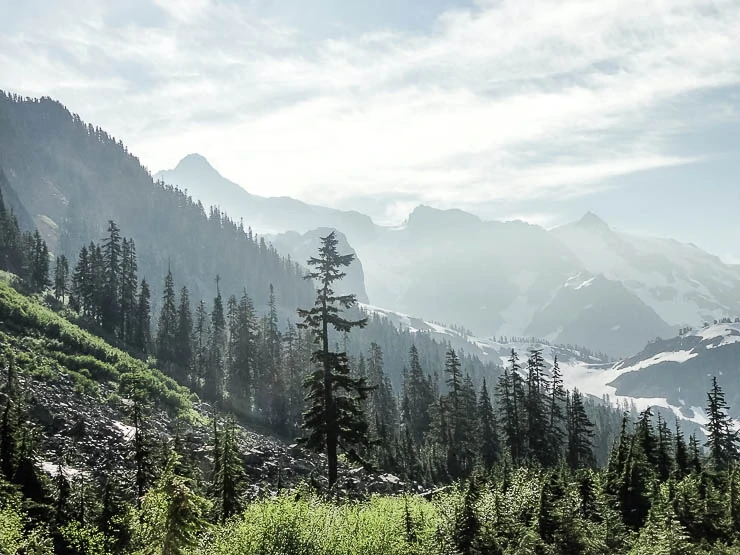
74	178
527	460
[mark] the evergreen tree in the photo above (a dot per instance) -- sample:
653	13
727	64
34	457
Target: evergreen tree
201	332
213	383
722	439
510	393
556	416
538	416
183	338
580	433
142	333
172	514
61	278
682	453
228	472
488	442
111	270
334	418
128	300
167	324
418	398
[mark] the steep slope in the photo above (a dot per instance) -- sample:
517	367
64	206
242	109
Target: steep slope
600	313
680	368
495	350
671	376
264	214
72	178
682	283
451	266
302	247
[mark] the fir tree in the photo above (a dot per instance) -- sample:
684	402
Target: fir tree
142	333
167	324
334	418
61	278
213	382
580	433
112	254
183	338
488	442
722	439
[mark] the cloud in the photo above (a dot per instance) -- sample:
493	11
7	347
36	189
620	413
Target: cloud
505	100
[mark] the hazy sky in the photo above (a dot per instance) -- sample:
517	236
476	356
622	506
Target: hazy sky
531	109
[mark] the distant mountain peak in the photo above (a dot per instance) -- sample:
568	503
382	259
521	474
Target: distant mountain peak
424	216
592	221
195	162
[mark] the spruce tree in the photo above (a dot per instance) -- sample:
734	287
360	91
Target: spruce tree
213	382
61	278
681	453
538	415
167	324
112	254
183	338
580	434
129	281
228	472
418	398
722	439
334	419
556	416
201	331
142	333
488	442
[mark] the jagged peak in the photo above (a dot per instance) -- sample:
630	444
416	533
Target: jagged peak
591	221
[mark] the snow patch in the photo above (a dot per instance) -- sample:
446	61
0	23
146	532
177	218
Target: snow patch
675	356
128	432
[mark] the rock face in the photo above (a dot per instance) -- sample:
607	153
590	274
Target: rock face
93	432
301	247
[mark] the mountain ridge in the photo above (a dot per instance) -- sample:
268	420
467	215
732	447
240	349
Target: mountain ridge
510	277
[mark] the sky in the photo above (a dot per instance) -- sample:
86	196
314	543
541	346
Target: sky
537	110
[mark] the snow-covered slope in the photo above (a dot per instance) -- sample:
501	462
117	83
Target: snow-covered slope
681	283
670	375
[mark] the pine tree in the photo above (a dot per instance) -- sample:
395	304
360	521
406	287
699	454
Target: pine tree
682	453
110	294
418	398
334	418
556	416
129	281
538	416
722	439
488	442
183	338
142	333
172	514
510	393
228	472
201	331
580	434
665	450
167	324
213	383
61	278
81	283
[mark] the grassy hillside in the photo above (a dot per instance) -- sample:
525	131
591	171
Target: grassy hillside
44	344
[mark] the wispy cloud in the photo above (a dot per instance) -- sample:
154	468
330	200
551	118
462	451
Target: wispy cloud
509	99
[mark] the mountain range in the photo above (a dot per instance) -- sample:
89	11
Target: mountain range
582	283
670	375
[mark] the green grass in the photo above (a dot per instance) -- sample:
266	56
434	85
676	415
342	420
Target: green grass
45	345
